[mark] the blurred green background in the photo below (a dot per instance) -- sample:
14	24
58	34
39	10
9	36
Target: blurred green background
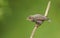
13	14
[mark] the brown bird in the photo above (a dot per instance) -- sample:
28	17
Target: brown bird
37	18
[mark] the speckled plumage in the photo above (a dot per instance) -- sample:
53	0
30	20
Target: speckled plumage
37	18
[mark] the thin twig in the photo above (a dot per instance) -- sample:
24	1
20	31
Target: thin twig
47	9
33	32
35	28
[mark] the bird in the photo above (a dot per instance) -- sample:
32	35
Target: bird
37	18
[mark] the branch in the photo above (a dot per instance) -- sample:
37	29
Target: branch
46	13
47	9
33	32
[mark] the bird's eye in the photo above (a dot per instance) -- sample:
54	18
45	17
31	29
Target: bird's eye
30	17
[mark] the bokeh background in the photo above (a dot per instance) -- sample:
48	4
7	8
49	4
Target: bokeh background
13	14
